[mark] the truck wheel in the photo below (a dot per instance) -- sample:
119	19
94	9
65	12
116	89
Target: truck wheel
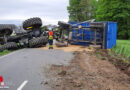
32	22
38	42
8	46
6	29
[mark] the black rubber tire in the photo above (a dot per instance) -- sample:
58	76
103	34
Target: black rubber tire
10	26
8	46
38	42
13	39
32	22
6	29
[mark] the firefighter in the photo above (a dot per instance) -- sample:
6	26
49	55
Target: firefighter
50	39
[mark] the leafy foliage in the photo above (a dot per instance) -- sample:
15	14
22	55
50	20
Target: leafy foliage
44	28
82	10
122	48
4	52
118	11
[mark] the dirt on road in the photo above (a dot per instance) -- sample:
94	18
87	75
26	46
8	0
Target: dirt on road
70	48
87	72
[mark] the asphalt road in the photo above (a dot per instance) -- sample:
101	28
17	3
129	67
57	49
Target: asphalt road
24	69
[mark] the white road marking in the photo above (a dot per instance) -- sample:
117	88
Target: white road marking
22	85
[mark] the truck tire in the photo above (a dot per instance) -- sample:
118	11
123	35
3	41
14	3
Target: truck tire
38	42
8	46
10	26
6	29
32	22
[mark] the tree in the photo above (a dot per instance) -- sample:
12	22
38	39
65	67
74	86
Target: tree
93	8
118	11
82	10
74	10
84	7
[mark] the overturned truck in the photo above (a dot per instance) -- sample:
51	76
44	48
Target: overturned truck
88	33
32	36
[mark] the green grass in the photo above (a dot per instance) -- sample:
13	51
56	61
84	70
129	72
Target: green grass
4	52
122	48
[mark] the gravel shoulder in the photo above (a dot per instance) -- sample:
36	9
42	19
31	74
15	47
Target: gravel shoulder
86	72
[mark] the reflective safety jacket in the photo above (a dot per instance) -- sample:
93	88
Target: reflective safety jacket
50	33
50	37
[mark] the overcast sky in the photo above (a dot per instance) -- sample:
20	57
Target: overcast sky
50	11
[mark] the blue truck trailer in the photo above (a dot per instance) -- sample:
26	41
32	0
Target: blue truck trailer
94	33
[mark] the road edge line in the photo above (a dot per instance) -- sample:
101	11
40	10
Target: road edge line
22	85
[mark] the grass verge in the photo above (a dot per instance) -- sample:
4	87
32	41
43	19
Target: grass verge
122	48
5	52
